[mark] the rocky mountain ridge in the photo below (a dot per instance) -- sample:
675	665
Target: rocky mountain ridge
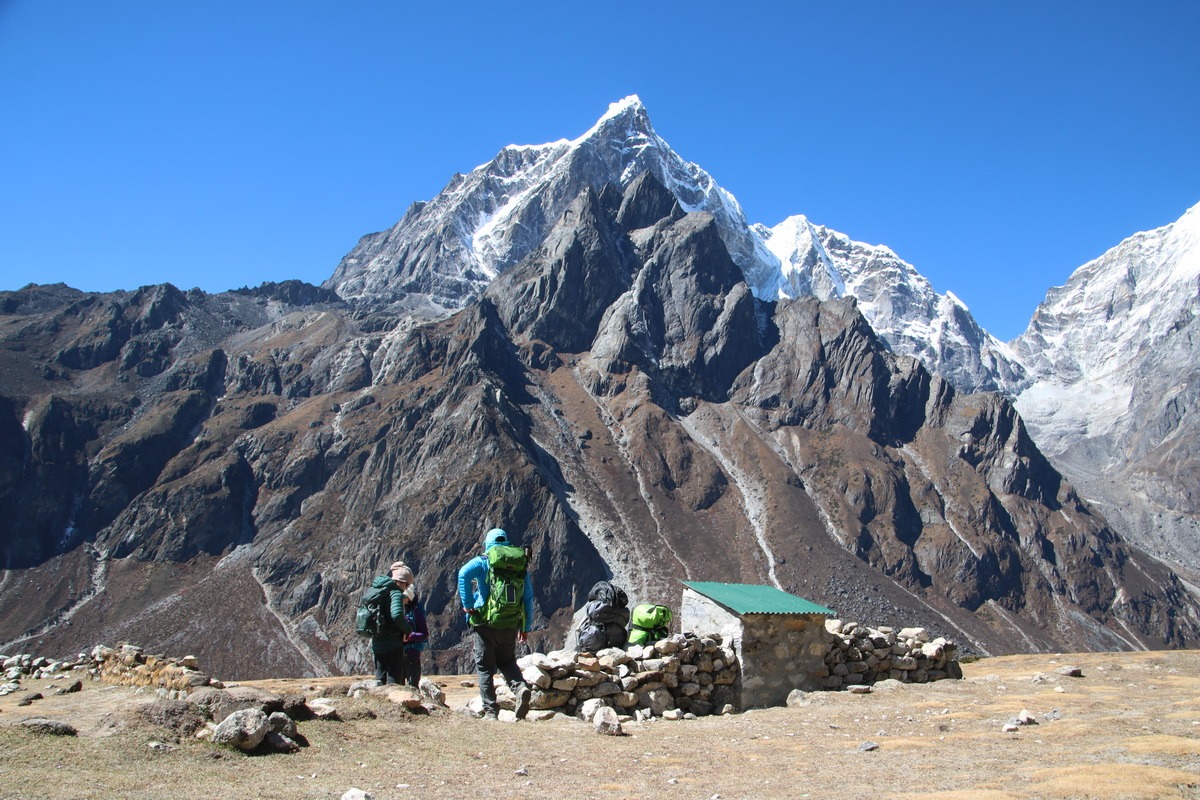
1113	359
184	468
445	252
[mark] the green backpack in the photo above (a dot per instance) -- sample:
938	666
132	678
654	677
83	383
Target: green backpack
505	608
649	623
374	616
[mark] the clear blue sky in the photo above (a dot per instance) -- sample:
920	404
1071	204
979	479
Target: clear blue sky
995	146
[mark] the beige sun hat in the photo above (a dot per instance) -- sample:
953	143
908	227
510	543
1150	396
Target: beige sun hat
401	573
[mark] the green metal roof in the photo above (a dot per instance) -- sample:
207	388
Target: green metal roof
746	598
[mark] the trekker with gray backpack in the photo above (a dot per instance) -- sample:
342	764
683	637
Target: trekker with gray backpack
497	598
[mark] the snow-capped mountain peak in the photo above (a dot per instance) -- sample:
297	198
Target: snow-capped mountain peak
446	251
900	303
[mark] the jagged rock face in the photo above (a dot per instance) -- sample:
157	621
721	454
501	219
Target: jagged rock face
655	423
899	303
443	253
1115	358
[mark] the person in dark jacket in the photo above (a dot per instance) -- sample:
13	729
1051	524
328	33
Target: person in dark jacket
416	640
388	648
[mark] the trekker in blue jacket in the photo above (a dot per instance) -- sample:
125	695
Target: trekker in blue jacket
494	648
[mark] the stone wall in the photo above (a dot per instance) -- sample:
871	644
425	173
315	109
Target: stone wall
125	664
677	676
858	655
779	653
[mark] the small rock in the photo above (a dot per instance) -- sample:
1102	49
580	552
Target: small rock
523	772
433	691
868	747
1026	718
605	722
357	794
28	699
859	688
1070	671
280	743
281	723
161	747
589	708
1011	728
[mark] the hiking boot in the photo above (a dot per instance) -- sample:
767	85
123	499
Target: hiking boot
523	695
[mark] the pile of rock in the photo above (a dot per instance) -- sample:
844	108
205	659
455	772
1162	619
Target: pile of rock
126	664
684	674
25	665
859	655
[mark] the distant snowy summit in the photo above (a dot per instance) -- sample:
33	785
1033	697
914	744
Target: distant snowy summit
1114	357
1117	338
444	252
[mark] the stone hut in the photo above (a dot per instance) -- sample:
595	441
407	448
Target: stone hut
779	638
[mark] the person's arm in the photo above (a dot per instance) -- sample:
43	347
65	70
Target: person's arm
420	629
528	598
474	570
397	607
464	579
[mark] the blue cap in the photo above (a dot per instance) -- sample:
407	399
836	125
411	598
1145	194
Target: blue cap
494	537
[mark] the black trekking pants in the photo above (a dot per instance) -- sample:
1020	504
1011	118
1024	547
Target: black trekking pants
389	666
412	667
496	649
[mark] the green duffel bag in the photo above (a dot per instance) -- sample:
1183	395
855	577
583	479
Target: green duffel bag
649	623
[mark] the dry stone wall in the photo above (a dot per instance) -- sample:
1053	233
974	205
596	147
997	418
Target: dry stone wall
674	677
686	674
126	664
858	655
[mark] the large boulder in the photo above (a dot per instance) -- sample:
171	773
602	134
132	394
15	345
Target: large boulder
243	729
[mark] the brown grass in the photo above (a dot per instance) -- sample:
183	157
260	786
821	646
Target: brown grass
1129	729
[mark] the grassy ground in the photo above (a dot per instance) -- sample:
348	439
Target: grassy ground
1130	728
